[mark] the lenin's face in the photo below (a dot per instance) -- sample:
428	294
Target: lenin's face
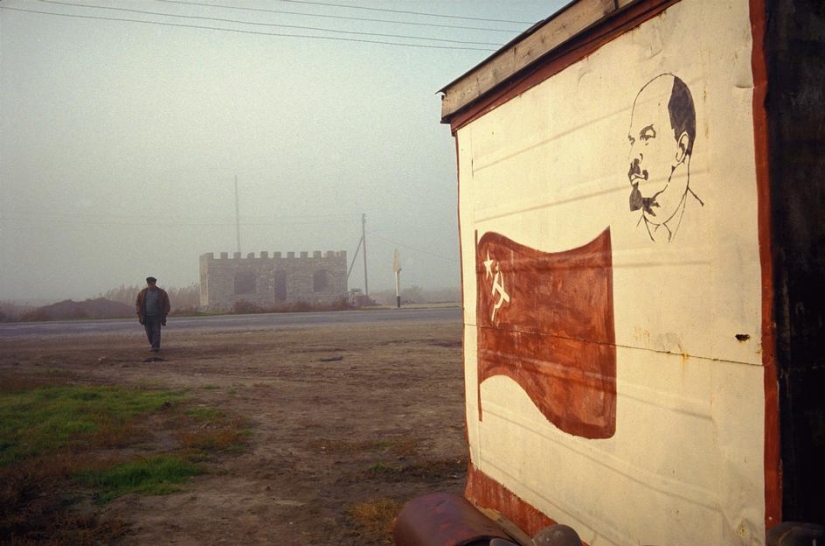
654	154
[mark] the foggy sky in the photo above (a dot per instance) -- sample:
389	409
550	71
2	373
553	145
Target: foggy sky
120	141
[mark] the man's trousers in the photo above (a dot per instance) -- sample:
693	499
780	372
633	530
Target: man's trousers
152	326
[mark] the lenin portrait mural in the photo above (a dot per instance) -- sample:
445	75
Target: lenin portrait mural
662	133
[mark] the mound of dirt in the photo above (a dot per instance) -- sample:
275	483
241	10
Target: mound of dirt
99	308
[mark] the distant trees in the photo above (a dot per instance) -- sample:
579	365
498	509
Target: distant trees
186	301
413	294
12	311
416	294
123	294
100	308
182	299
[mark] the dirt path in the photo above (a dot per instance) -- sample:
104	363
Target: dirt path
345	419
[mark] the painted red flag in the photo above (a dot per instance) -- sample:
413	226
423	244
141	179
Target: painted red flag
545	320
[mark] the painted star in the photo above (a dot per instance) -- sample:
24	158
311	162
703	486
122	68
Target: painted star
488	265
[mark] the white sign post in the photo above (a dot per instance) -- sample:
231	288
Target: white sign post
396	266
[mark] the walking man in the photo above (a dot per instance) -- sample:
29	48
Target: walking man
152	306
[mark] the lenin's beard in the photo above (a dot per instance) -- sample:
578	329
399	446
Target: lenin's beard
637	201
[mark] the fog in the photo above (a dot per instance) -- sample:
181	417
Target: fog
123	132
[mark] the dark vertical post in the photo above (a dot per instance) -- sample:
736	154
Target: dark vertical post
364	239
396	266
795	45
237	215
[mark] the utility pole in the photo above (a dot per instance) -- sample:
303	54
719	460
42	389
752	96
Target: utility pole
396	266
364	239
237	215
362	242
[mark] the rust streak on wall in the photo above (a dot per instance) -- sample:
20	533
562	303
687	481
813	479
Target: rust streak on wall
485	492
773	478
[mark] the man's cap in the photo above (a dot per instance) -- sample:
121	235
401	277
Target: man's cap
151	280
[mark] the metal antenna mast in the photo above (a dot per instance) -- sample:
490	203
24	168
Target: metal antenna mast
362	242
396	266
364	238
237	215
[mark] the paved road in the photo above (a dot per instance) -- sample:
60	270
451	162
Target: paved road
232	322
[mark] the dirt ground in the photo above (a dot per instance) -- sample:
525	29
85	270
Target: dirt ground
342	417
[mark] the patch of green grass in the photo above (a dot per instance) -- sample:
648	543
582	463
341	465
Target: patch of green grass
47	419
159	475
384	469
422	470
203	414
57	438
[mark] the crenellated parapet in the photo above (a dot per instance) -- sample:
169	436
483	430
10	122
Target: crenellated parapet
268	279
265	255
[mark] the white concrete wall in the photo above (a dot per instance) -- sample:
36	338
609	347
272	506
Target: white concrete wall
549	169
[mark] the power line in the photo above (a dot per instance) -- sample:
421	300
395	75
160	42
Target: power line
327	16
329	4
256	23
237	31
156	222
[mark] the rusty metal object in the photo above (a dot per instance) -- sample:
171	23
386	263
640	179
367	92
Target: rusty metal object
442	519
793	533
557	535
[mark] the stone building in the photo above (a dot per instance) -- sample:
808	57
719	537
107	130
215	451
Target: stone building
267	280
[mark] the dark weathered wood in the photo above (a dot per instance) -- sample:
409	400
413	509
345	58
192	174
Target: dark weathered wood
525	50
